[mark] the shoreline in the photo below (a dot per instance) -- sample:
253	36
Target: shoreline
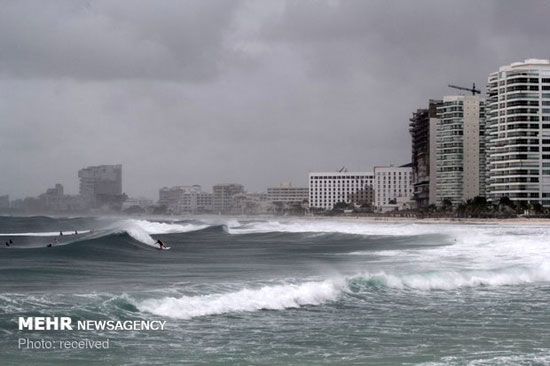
441	220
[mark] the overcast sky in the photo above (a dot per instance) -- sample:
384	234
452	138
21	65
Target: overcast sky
253	92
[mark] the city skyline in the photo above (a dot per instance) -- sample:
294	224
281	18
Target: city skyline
271	91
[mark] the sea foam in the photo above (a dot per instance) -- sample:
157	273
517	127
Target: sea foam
277	297
450	280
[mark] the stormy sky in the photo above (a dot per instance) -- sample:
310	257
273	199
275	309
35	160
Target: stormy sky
254	92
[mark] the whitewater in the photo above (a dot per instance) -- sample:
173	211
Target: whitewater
285	290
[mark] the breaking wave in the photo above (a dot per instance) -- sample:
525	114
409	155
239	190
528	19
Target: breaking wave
277	297
141	230
290	296
450	280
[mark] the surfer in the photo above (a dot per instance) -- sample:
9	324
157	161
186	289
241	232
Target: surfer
161	244
11	241
61	233
49	245
7	244
76	232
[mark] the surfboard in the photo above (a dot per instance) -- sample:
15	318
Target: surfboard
164	248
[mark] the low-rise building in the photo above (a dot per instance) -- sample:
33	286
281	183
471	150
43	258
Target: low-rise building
182	199
329	188
223	200
286	193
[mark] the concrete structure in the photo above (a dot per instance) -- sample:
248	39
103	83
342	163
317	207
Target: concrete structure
518	132
328	188
423	129
391	184
4	202
180	199
140	202
223	201
460	149
286	193
53	198
101	184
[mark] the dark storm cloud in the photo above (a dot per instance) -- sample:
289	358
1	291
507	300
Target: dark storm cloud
184	92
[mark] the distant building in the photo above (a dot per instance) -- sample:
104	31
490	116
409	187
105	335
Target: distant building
258	196
393	184
328	188
181	199
53	198
423	130
140	202
460	149
223	200
169	196
518	132
4	202
101	184
286	193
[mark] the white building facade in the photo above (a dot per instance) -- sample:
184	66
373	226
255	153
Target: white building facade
460	149
393	186
518	132
328	188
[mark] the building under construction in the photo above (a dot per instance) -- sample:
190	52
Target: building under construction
423	124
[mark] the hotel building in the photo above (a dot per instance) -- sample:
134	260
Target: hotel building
518	132
328	188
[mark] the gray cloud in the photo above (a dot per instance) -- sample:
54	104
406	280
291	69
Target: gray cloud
252	92
98	40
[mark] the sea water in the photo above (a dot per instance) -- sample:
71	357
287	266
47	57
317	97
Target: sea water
277	291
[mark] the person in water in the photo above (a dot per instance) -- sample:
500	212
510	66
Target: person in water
49	245
76	232
11	241
61	233
7	244
161	244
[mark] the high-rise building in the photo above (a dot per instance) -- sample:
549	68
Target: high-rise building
518	132
223	197
423	129
101	184
328	188
392	184
460	149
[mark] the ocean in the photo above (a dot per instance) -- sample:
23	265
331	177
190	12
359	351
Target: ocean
278	291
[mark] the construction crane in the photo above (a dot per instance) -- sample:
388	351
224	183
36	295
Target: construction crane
473	90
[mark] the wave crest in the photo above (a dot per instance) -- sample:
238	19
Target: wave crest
450	280
277	297
141	230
